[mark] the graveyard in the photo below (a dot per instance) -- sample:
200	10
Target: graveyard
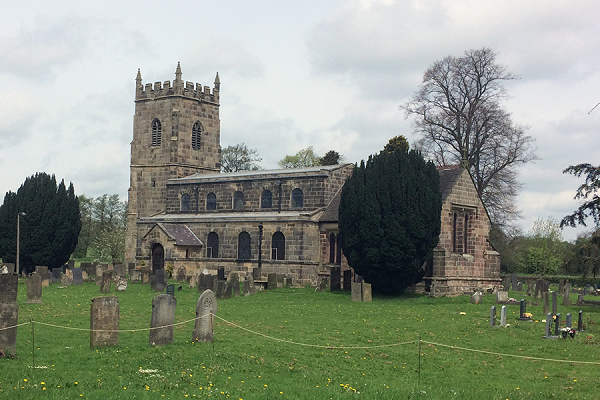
298	342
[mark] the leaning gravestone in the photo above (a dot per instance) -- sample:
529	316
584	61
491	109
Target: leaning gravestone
234	281
181	273
9	284
104	321
106	282
163	317
121	284
206	309
77	276
335	283
272	281
34	288
9	317
56	275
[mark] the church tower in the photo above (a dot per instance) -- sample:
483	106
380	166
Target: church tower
176	133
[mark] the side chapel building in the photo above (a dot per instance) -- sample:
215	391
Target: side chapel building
184	212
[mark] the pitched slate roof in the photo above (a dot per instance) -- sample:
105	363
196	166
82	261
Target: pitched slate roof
449	174
182	235
331	212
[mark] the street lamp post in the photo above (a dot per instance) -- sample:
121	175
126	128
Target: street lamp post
18	232
260	235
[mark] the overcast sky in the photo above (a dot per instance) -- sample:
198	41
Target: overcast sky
328	74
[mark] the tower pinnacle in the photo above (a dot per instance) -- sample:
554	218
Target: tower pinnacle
217	82
178	72
138	79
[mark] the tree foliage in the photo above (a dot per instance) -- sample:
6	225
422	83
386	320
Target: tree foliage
587	192
239	158
332	157
389	219
458	113
303	158
397	143
49	228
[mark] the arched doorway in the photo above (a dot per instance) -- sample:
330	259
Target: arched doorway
158	257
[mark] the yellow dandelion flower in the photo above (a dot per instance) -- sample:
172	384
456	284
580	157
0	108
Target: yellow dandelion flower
25	380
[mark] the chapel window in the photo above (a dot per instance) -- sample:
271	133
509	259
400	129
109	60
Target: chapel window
244	246
156	132
196	135
238	200
185	202
211	201
465	233
297	198
278	246
332	248
212	245
266	199
454	227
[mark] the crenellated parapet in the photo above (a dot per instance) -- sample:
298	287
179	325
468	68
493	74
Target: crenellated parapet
177	88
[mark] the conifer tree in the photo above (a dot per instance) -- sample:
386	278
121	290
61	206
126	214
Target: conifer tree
49	228
390	219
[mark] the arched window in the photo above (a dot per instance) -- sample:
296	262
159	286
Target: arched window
244	246
238	201
297	198
338	250
266	199
278	246
211	201
185	202
196	135
332	248
212	245
156	132
465	233
454	222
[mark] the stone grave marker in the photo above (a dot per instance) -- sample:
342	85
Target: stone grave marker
280	280
348	280
272	281
501	296
194	281
9	284
250	278
503	316
146	273
522	311
367	294
513	279
356	294
519	286
181	274
530	287
567	293
580	322
88	268
256	274
64	280
106	282
104	321
120	270
171	290
42	271
221	273
323	285
335	283
205	281
10	268
561	285
206	309
77	276
493	316
34	288
135	276
121	284
56	275
569	320
234	278
9	316
100	269
163	317
246	287
554	303
130	267
548	334
557	325
546	302
476	298
160	280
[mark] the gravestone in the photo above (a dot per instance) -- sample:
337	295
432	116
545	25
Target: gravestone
585	290
64	280
580	322
34	288
120	270
181	274
152	281
194	281
9	284
519	286
42	271
9	316
513	279
567	293
77	276
88	268
100	270
561	285
171	290
501	296
56	275
130	267
522	311
10	268
280	280
554	303
71	264
163	317
104	321
205	282
234	281
548	334
135	276
272	281
367	294
256	274
356	294
530	287
503	316
250	278
557	325
121	284
546	302
538	289
146	273
476	298
246	287
493	316
348	280
221	273
106	282
323	285
160	280
569	320
206	309
335	277
506	283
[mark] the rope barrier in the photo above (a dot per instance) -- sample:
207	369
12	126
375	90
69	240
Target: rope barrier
14	326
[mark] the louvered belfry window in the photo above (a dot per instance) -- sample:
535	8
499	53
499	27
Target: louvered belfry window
156	132
196	135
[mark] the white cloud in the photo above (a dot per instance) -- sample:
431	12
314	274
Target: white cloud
17	113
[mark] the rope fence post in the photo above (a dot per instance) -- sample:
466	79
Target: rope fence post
32	342
419	369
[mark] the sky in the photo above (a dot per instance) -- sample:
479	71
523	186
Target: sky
329	74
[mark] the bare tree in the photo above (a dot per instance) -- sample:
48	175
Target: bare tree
457	110
239	158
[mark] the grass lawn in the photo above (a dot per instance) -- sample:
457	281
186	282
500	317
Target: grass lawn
296	343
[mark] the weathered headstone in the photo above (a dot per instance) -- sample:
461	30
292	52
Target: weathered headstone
56	275
104	321
567	293
9	317
256	274
538	288
206	309
100	270
221	273
561	285
87	267
493	316
356	291
323	285
513	279
272	281
546	302
530	287
194	281
519	286
121	284
34	288
181	273
130	267
42	271
523	310
580	321
250	278
234	281
348	280
503	316
557	325
335	276
171	290
146	273
205	282
71	264
65	280
280	280
11	268
77	276
548	334
135	276
246	287
554	303
569	320
367	294
106	282
476	298
120	270
501	296
160	280
9	284
163	317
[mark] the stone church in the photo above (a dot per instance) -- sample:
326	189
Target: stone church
184	212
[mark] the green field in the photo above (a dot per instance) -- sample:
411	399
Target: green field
296	343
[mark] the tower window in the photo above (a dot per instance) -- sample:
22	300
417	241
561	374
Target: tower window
156	132
196	135
297	198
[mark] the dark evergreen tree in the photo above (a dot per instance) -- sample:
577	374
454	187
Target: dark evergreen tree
390	219
332	157
49	228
